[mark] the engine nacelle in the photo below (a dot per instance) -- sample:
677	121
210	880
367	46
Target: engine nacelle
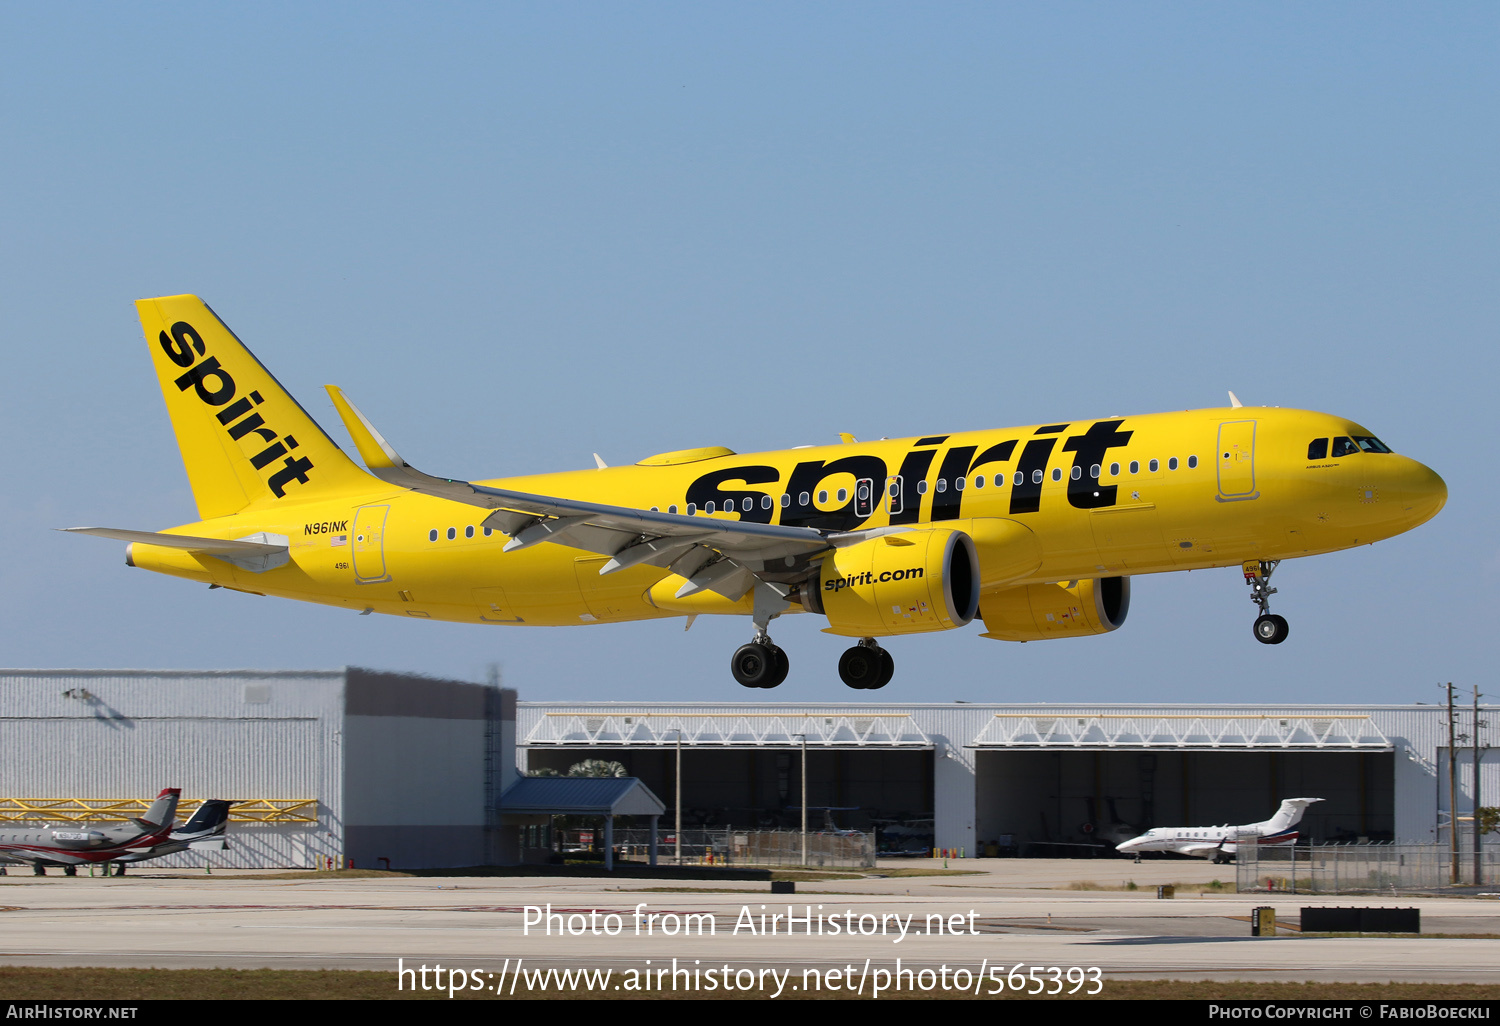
910	582
1066	610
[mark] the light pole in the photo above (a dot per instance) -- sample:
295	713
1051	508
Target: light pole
804	800
677	834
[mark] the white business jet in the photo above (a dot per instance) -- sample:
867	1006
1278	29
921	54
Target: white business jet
1220	843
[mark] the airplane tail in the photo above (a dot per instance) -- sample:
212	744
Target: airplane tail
244	439
162	811
1288	816
210	820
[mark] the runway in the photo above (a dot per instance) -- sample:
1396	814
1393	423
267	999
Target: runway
1016	913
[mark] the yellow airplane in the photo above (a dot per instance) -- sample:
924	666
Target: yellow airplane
1036	530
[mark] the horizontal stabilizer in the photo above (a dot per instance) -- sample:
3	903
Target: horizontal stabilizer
257	553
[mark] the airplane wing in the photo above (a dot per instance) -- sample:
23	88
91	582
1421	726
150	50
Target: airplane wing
257	553
1202	851
724	556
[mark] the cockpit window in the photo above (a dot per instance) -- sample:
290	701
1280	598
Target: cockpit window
1371	444
1317	449
1343	446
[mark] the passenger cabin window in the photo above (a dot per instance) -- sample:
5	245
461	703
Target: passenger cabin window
1114	470
1192	463
1155	466
1172	463
432	534
1317	449
1343	446
469	531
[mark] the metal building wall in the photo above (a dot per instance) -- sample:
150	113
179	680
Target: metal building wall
424	761
233	734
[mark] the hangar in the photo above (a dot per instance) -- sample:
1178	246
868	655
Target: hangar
409	771
328	766
1030	779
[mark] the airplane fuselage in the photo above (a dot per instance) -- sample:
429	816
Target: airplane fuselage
1100	498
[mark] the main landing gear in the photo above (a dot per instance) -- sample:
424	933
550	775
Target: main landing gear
866	666
1270	629
759	664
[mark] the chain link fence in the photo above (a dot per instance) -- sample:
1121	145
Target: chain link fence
1360	868
725	846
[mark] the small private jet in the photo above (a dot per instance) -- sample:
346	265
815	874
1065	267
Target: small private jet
1034	530
147	837
1220	843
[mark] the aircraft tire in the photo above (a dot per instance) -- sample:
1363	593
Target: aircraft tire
861	667
783	667
38	869
887	671
1271	629
70	870
754	665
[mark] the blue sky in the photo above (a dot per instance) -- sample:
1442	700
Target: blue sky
520	234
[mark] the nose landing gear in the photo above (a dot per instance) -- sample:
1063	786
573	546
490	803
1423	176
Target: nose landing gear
866	666
1269	628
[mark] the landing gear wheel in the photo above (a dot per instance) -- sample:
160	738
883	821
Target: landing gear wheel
863	668
783	667
38	869
119	869
70	870
759	665
1271	629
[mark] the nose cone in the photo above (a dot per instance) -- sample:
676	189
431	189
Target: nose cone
1423	493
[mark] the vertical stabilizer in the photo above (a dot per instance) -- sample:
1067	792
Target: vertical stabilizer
164	810
209	820
1289	815
244	440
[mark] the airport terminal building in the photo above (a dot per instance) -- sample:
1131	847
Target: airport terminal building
406	771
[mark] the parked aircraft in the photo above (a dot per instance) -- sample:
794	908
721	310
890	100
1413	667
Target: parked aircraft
1035	530
1220	843
147	837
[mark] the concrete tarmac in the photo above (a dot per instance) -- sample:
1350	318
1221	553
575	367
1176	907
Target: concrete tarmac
1013	912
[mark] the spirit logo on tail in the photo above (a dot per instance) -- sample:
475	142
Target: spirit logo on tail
1034	530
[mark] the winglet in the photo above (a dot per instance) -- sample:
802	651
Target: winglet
1234	401
373	448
